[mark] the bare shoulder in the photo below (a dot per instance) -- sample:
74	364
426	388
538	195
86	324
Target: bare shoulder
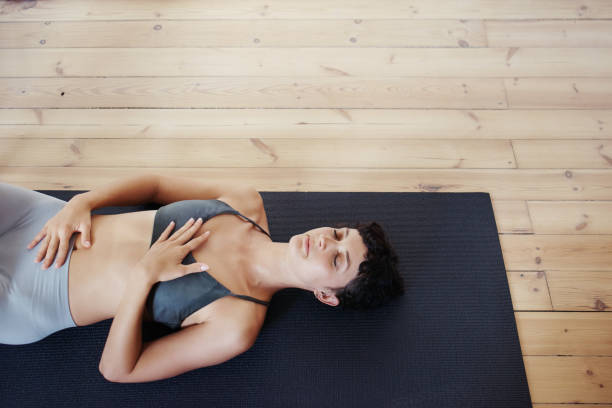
248	202
246	318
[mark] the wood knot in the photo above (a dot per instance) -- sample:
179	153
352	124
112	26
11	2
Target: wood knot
600	305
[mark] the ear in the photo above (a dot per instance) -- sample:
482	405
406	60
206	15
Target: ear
327	297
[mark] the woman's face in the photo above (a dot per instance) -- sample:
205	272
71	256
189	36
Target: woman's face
326	257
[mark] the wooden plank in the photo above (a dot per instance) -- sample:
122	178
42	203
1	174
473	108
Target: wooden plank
577	154
560	252
255	152
511	216
291	9
549	33
315	62
511	184
309	33
529	291
292	33
289	123
240	92
565	333
584	290
571	217
577	379
554	290
554	93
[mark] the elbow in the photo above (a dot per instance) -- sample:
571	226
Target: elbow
109	375
106	375
112	378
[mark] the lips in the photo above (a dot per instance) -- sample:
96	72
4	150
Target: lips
306	245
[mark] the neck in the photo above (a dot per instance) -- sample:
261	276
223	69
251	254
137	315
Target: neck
267	266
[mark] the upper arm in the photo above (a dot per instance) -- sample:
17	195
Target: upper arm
192	347
172	188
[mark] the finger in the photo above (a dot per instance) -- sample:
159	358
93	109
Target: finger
51	251
194	243
37	238
194	268
189	224
43	248
85	230
179	231
63	250
166	232
188	233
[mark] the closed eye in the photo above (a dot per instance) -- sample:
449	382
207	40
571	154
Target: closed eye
337	253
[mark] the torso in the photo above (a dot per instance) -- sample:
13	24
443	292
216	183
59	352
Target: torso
97	275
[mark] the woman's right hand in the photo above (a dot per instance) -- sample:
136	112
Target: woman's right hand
74	217
163	260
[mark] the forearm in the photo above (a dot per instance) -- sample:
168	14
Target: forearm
124	342
132	190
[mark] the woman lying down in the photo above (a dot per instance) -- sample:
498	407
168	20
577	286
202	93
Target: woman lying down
208	270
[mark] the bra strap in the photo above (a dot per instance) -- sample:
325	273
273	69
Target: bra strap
254	223
245	297
234	211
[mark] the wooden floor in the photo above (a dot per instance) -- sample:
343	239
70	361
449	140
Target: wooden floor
513	98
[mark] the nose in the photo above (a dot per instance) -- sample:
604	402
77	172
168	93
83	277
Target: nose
323	242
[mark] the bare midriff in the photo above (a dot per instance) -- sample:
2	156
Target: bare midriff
97	276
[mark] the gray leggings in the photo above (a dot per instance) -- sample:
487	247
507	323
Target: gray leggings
33	301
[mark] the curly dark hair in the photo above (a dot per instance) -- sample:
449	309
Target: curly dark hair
378	279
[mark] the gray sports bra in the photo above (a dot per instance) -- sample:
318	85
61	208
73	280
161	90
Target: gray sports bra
170	302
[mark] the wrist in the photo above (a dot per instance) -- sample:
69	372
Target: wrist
139	276
83	199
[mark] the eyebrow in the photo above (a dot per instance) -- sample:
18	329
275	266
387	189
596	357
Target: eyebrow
348	258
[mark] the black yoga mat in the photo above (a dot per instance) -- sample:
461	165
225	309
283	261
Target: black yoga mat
449	341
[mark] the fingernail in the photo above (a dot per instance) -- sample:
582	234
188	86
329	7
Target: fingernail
204	267
191	219
200	219
87	243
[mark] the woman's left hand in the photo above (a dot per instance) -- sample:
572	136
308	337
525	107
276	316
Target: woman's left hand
162	262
